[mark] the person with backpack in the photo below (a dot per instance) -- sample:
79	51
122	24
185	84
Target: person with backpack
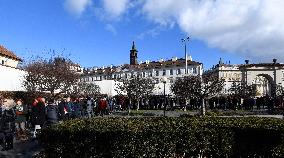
52	112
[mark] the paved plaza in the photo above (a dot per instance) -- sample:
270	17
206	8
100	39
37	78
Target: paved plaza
26	149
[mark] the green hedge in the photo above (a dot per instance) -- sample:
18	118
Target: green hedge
165	137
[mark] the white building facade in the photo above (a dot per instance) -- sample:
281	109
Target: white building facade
265	77
11	77
169	69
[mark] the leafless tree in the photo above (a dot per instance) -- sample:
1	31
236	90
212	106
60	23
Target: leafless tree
55	75
200	87
86	89
136	88
240	89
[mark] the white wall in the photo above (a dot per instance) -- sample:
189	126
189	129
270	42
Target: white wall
9	61
107	87
11	79
159	89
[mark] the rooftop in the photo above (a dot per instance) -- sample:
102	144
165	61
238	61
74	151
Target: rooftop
5	52
144	66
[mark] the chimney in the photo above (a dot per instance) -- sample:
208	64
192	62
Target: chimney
247	61
274	61
189	58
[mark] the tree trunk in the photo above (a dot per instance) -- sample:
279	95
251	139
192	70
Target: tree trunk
138	103
129	105
203	107
52	94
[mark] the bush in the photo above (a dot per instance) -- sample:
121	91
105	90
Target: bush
165	137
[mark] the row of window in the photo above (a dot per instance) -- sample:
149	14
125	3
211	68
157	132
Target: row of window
230	75
130	75
143	74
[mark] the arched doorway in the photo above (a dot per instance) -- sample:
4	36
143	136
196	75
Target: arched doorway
264	85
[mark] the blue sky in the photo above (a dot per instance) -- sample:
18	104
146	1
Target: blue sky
100	32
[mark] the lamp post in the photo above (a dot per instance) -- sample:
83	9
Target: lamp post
184	40
164	80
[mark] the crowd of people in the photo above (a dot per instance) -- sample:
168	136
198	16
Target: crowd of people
22	120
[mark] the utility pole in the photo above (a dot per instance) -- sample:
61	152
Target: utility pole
184	40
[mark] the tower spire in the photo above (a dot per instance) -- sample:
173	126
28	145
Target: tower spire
133	46
133	54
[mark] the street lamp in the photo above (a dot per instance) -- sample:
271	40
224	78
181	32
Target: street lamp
164	80
184	40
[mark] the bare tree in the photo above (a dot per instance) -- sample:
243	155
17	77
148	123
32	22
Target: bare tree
240	89
86	89
200	87
56	75
136	88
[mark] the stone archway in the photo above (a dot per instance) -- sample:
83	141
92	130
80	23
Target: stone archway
271	72
264	84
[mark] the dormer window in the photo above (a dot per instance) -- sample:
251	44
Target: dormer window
2	62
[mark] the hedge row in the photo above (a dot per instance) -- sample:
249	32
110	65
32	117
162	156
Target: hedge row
165	137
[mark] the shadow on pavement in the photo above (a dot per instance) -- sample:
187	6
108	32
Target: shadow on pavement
22	149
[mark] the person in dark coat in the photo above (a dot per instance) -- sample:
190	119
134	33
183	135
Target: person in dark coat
38	112
7	125
61	107
69	108
77	109
52	112
21	111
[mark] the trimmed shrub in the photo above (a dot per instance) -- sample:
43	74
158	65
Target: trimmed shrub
165	137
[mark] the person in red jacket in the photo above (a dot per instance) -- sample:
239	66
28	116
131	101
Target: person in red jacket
102	106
